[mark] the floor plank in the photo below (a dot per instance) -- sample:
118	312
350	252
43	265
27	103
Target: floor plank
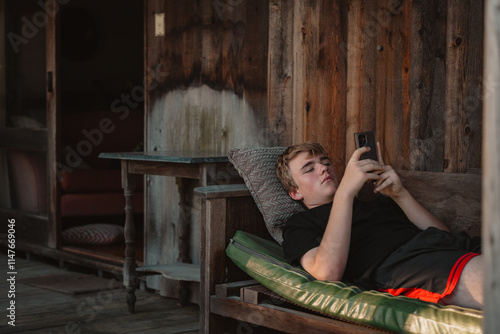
44	311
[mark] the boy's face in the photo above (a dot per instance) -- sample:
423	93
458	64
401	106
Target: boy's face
316	179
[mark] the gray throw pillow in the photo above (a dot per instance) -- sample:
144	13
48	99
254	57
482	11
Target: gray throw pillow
257	167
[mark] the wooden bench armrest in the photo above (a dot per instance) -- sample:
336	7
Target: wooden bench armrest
224	210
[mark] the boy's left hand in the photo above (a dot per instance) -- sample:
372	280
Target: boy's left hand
389	183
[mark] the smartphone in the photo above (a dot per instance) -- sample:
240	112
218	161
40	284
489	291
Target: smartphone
367	139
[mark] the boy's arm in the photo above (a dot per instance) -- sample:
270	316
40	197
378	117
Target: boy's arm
328	260
390	184
416	213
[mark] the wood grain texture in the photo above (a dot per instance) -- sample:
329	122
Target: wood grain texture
280	73
464	40
428	82
452	197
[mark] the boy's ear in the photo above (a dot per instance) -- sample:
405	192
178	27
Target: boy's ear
296	195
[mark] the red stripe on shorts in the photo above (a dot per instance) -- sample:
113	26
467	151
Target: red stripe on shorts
434	297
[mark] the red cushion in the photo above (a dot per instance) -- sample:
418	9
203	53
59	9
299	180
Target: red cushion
98	204
89	180
93	234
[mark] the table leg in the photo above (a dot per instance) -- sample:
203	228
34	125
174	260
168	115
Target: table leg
183	233
129	273
184	222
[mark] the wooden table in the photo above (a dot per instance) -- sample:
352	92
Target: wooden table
181	165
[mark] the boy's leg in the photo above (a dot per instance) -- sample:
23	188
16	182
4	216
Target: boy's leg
469	289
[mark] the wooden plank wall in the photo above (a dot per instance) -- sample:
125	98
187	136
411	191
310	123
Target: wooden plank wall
410	70
230	73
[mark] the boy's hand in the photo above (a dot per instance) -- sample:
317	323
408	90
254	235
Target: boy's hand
389	183
358	172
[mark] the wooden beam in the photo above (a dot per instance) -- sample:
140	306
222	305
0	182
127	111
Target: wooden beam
53	123
3	74
5	200
491	166
461	209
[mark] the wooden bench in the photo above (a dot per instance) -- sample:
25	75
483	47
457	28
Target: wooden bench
226	293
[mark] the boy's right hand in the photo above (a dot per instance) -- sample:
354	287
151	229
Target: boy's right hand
358	172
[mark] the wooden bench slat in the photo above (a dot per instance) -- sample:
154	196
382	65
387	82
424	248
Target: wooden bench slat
222	191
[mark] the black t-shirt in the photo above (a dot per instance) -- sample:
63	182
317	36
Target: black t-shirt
378	228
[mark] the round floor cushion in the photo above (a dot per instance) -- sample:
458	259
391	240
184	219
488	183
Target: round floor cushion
93	234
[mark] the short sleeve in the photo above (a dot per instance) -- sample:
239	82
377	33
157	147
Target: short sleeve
298	240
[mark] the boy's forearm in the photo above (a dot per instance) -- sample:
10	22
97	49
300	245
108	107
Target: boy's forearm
331	257
416	213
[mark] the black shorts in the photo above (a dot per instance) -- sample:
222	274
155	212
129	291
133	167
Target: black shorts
428	266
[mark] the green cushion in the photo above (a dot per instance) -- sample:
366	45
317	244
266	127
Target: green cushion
264	261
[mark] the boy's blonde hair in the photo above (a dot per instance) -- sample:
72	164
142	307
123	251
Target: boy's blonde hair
282	167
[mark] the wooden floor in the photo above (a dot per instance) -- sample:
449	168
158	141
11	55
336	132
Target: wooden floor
44	311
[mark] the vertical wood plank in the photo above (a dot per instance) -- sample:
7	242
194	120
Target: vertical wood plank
53	125
393	109
3	73
491	165
362	81
323	80
428	81
337	118
463	85
212	43
255	49
5	201
328	83
299	75
280	73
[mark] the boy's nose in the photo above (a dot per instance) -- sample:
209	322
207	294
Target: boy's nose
322	169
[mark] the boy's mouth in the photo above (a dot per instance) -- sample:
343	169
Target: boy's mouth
328	177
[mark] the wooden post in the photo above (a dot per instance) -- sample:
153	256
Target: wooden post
53	124
4	177
491	166
212	260
129	273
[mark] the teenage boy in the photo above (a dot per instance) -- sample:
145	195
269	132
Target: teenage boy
391	244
